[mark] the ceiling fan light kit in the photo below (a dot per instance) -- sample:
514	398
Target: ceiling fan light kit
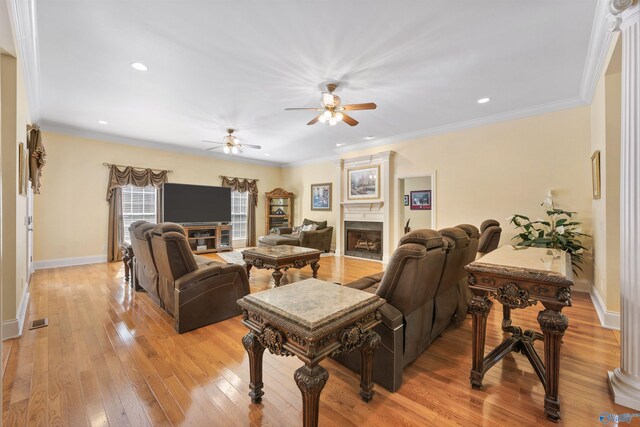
332	112
231	144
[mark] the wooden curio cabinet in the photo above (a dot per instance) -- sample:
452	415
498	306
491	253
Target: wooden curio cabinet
279	209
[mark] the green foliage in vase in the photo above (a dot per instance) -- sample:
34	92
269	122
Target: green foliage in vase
560	231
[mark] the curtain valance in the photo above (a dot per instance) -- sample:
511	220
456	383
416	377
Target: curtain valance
242	185
134	176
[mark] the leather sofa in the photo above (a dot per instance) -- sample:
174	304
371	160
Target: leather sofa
420	286
464	293
318	239
195	290
490	232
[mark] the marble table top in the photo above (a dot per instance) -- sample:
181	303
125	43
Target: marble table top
280	251
312	304
541	262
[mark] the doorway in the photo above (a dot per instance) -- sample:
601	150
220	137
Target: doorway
416	204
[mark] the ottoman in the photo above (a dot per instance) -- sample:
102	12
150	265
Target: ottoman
279	239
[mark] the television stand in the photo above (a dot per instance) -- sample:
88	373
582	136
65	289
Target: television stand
206	239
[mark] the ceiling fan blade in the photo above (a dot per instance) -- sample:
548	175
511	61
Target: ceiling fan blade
213	148
367	106
315	120
213	142
302	108
257	147
349	120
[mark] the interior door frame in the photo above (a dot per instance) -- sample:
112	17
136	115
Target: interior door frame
398	207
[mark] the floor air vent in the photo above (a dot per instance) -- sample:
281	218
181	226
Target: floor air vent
39	323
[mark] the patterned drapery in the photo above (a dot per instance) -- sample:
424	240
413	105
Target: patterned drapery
37	157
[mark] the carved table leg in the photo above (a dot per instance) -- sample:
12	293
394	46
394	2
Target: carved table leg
255	351
480	306
127	257
277	275
315	266
370	342
311	380
248	266
553	324
506	317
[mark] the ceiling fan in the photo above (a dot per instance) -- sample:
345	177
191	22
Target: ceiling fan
231	144
332	111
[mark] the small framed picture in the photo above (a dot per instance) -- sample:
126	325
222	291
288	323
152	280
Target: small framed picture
406	200
321	197
421	200
364	183
595	174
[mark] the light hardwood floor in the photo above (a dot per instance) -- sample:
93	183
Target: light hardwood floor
111	357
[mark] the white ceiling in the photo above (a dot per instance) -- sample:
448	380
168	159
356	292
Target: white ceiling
219	64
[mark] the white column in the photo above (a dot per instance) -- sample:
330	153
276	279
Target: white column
625	380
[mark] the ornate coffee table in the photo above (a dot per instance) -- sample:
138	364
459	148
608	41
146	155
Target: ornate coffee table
519	278
310	319
281	257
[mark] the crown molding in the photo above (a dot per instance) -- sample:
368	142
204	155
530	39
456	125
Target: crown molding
22	15
60	128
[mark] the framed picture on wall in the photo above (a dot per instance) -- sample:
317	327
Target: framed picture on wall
406	200
364	183
421	200
22	169
321	197
595	174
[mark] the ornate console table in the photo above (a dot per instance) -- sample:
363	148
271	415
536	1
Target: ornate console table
281	257
312	320
519	278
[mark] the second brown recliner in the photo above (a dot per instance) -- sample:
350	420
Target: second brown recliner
194	295
409	286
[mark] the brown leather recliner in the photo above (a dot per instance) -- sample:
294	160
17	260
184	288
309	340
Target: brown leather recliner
145	274
446	299
490	236
194	295
409	286
464	294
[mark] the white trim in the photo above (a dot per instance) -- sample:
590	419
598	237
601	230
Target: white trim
49	126
67	262
22	15
599	46
13	328
608	319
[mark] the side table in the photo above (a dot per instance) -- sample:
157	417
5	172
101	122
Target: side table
312	320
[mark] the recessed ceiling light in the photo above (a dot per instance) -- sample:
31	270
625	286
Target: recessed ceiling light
267	154
139	66
369	137
483	100
103	122
339	144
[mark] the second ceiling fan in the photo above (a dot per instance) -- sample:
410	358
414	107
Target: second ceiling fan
332	111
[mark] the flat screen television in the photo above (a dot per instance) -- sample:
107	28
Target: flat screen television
196	204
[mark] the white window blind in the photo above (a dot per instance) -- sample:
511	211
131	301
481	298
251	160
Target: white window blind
138	204
239	214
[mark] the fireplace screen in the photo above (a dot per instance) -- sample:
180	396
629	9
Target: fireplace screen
363	239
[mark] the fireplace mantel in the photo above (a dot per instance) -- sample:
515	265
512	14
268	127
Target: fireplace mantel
371	205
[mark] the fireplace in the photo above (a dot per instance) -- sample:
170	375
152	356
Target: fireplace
363	239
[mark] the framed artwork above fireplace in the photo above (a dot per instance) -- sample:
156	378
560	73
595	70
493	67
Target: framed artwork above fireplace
363	183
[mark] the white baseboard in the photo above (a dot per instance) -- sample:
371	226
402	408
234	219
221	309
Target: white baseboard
67	262
608	319
13	328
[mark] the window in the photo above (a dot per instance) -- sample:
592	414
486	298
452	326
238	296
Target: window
239	203
138	204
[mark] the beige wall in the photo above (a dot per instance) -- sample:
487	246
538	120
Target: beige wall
71	213
605	137
298	180
14	206
491	171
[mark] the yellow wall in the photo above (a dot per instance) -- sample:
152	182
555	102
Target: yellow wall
14	206
298	180
605	137
71	213
490	171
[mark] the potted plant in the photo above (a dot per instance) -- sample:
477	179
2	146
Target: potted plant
559	232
